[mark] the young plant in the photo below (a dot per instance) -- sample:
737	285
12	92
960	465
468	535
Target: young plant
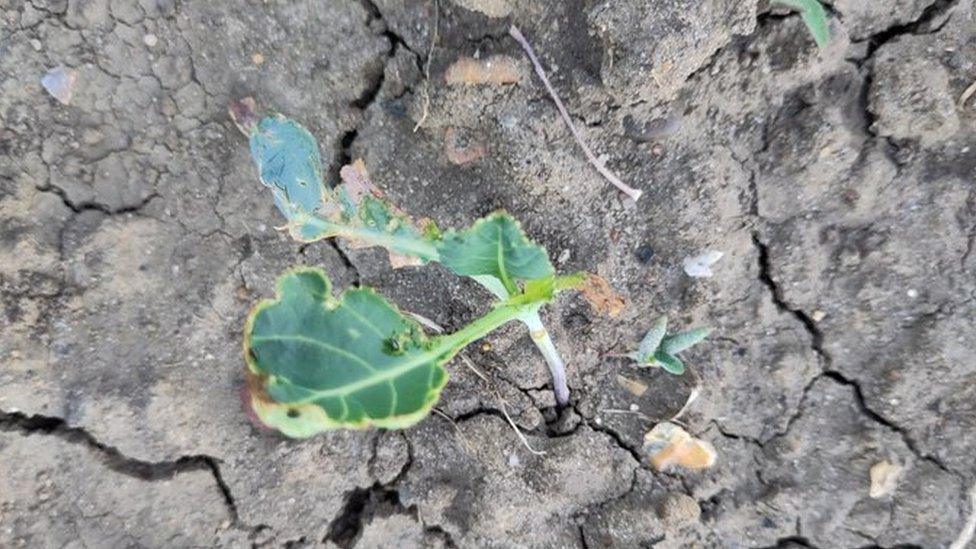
317	361
658	349
814	17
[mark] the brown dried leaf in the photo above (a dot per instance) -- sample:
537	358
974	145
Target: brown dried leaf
668	444
495	69
600	295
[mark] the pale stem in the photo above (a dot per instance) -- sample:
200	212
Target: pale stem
557	368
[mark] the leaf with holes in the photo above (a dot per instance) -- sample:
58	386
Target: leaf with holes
321	362
317	362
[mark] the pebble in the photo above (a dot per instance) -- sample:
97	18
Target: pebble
818	315
150	40
678	510
36	44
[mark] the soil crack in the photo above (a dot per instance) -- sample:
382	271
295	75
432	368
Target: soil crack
116	461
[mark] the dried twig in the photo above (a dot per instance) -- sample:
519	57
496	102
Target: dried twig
430	55
460	433
966	95
498	395
597	163
969	529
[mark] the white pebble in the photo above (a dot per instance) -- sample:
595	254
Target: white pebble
700	266
150	40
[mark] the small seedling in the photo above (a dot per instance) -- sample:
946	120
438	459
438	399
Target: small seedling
814	17
316	361
658	349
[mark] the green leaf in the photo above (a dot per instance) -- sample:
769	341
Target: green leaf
495	246
287	157
670	363
318	362
679	342
651	341
814	16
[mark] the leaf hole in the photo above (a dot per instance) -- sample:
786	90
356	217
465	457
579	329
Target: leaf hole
293	413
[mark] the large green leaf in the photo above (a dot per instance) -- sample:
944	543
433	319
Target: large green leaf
495	246
317	362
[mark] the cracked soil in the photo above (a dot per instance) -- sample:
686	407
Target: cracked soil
839	183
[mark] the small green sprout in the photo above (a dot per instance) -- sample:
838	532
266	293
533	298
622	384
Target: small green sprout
658	349
814	16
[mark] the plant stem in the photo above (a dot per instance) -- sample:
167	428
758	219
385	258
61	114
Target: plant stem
401	244
497	317
557	368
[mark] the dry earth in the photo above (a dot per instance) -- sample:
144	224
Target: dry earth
839	183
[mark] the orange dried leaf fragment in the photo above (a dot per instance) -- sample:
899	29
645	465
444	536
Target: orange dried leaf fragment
601	296
669	445
494	69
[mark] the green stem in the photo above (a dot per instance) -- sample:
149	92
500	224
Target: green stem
479	328
398	243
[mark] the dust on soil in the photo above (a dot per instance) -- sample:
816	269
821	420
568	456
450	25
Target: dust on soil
839	184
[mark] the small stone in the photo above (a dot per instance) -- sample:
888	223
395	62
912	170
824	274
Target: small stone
818	315
513	460
462	146
678	510
912	293
60	83
36	44
644	254
700	266
884	478
257	59
564	256
150	40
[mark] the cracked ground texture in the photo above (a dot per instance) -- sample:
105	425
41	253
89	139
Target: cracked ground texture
839	183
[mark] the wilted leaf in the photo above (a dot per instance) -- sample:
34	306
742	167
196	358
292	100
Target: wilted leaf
288	160
495	246
814	17
317	362
668	444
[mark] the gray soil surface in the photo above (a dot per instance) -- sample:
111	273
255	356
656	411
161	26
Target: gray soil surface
839	183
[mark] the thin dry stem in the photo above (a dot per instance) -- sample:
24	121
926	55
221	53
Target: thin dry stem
597	163
969	529
430	55
525	442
